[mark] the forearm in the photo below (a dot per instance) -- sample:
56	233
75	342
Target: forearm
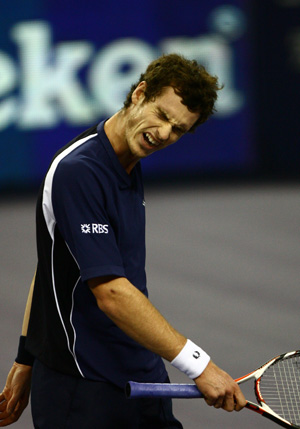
15	395
28	308
132	312
24	358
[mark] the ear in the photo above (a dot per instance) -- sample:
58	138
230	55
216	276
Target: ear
139	92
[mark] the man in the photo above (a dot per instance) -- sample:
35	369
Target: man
89	326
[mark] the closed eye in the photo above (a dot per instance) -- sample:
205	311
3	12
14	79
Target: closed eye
162	115
178	130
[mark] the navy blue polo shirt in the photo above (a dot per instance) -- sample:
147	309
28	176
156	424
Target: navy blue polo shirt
90	223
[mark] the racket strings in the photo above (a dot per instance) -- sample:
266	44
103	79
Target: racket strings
280	388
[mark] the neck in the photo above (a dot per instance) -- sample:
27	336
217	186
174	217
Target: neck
114	128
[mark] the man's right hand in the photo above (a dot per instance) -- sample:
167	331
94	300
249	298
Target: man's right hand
219	389
15	395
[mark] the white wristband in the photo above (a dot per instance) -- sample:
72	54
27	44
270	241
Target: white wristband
192	360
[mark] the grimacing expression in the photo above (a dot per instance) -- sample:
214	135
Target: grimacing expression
154	125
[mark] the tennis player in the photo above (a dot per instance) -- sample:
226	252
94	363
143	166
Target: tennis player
89	326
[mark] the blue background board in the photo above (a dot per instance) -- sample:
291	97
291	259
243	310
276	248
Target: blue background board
65	67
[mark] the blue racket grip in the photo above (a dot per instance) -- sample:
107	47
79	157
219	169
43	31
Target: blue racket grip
161	390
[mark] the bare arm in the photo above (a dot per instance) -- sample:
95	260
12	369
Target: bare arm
132	312
28	308
15	395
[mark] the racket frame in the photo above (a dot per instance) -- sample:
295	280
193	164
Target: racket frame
263	408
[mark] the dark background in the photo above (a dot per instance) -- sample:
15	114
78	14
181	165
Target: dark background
276	41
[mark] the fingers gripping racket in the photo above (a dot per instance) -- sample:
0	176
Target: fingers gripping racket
276	386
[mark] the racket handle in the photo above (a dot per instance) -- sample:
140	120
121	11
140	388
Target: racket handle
161	390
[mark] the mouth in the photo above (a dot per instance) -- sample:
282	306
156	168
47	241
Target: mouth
150	140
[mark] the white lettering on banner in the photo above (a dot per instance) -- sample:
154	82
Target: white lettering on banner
8	81
110	86
43	83
51	90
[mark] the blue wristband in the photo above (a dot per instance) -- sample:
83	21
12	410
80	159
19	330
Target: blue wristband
24	357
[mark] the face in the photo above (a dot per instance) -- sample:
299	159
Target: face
154	125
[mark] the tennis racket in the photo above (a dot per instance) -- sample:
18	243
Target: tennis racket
276	387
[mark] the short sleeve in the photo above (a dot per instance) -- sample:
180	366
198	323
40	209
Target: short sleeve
83	214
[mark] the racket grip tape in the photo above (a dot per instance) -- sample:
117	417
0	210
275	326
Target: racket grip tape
161	390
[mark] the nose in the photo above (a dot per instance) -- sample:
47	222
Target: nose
164	131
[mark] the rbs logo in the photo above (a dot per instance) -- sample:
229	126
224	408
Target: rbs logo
94	228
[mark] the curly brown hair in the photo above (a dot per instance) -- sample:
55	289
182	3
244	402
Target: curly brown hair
196	87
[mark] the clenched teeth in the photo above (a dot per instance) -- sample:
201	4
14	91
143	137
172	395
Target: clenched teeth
150	140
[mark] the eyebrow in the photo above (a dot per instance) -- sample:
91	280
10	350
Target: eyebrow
164	114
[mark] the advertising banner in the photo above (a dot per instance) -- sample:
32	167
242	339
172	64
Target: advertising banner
65	67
